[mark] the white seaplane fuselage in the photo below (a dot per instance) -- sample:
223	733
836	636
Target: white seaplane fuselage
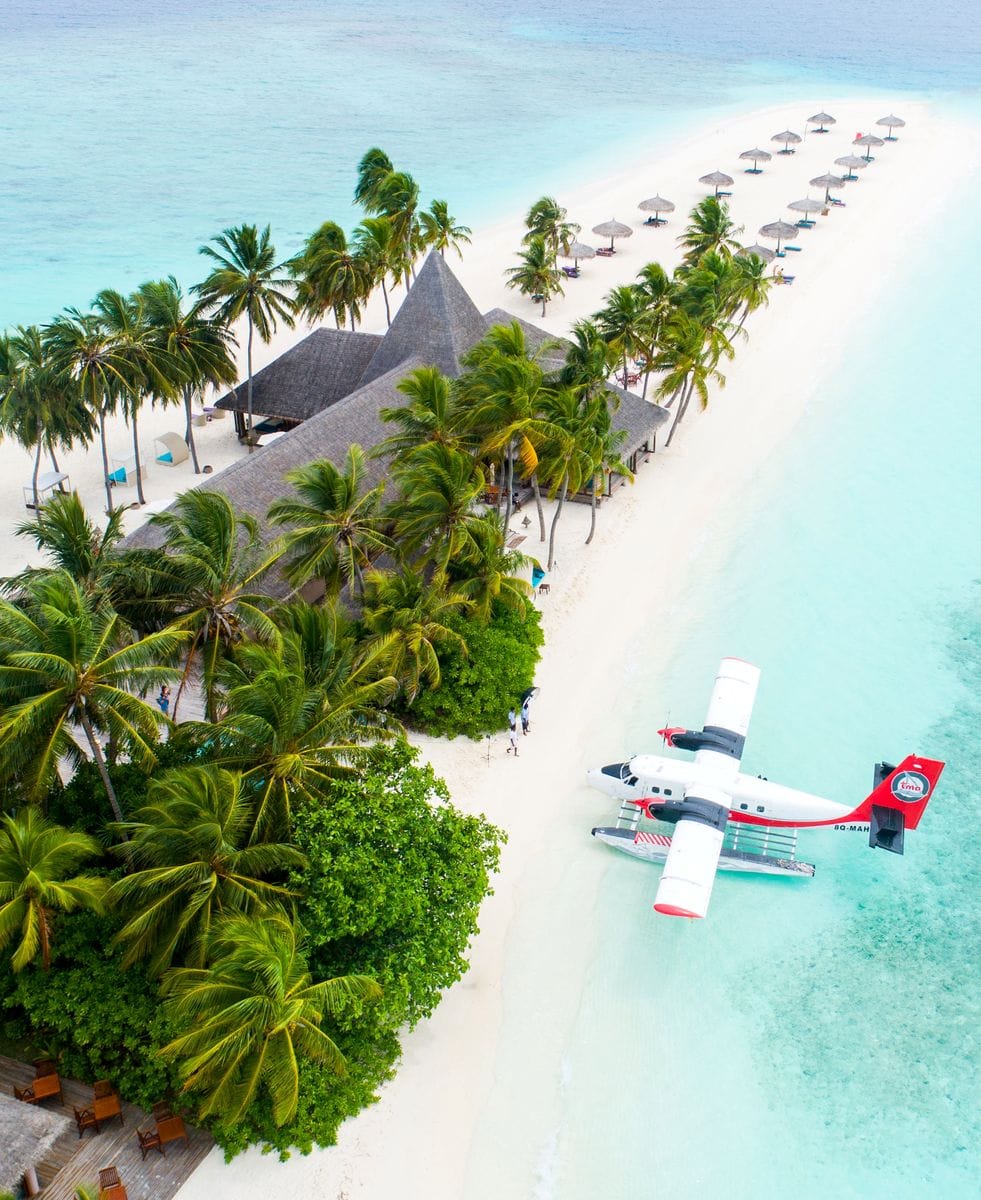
752	800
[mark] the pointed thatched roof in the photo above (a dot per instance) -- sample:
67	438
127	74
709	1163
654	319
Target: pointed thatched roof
315	373
436	324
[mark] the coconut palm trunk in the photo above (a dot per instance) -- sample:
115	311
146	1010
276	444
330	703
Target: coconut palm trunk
538	504
510	486
682	409
592	506
136	455
101	764
388	311
555	521
37	467
248	392
105	462
189	428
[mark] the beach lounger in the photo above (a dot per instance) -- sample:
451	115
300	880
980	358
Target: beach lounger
804	223
605	252
723	194
571	272
173	449
796	249
837	203
655	221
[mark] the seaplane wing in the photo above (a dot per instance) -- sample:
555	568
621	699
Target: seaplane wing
689	870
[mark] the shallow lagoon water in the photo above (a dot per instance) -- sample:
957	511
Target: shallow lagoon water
815	1037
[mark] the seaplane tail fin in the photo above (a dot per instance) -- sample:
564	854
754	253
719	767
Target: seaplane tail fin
898	800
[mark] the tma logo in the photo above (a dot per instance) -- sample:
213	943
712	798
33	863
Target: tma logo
910	786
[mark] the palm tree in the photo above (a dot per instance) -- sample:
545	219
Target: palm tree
39	404
150	371
336	528
66	660
199	347
486	574
190	859
569	453
398	199
38	860
688	363
404	617
251	1015
298	716
499	394
710	228
82	347
537	275
604	450
375	244
589	359
440	231
64	531
439	488
247	279
625	322
332	278
374	167
751	286
547	219
204	582
657	290
432	415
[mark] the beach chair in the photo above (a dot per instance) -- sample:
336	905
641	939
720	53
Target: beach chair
795	249
605	252
110	1185
172	449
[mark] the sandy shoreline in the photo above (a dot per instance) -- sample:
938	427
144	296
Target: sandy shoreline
417	1141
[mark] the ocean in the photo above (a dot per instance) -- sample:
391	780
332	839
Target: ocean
133	133
809	1038
815	1039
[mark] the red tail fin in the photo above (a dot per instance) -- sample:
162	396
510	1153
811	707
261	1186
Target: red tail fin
907	788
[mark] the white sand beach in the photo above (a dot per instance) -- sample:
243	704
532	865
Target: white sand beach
417	1140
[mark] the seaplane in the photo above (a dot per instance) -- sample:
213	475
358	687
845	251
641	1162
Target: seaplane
725	820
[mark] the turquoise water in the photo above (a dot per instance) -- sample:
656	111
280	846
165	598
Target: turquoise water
132	132
815	1038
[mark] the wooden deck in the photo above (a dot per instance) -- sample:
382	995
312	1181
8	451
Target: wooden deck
73	1160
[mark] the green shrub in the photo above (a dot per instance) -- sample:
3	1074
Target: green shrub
393	889
477	690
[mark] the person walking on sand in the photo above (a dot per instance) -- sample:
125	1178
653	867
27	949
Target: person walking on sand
513	739
525	715
512	718
163	700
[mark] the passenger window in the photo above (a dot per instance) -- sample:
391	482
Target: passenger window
667	791
744	806
760	808
656	791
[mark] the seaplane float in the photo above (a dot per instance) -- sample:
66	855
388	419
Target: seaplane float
725	820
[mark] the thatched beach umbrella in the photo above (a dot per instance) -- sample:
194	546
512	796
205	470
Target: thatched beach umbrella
827	182
821	119
868	140
612	229
756	155
852	163
891	122
760	251
779	230
655	205
789	139
578	250
716	179
805	206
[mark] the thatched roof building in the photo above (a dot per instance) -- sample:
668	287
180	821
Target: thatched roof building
316	373
27	1133
435	326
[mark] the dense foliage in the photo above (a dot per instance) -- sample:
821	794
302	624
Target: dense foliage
478	688
244	913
